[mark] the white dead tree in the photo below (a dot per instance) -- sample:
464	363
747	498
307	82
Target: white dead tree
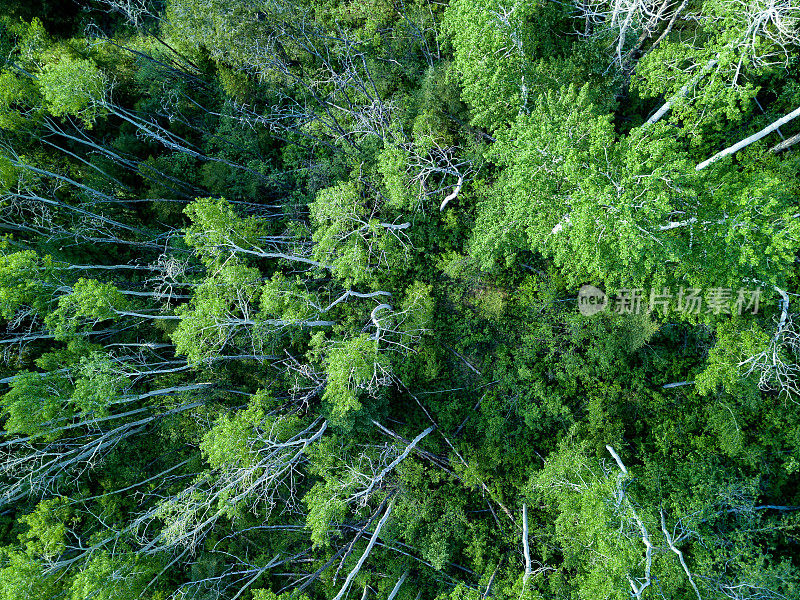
135	11
184	190
620	16
34	185
625	507
400	330
168	276
664	109
397	585
225	315
134	368
672	538
749	140
526	550
672	541
324	84
785	144
623	18
355	97
364	495
668	12
362	474
349	232
264	479
367	550
227	241
511	23
37	468
579	476
769	32
239	575
435	168
777	365
505	18
150	129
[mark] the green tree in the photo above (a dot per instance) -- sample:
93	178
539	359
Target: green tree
349	236
629	211
354	369
73	86
496	49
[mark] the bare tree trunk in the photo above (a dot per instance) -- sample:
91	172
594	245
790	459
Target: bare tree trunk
667	386
747	141
785	144
127	313
682	92
671	544
525	547
397	585
364	556
453	195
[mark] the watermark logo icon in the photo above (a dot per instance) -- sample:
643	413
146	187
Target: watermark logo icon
591	300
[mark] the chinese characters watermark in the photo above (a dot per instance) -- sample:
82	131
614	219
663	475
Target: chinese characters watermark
717	301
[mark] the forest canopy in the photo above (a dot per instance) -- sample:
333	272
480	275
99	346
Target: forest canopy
399	299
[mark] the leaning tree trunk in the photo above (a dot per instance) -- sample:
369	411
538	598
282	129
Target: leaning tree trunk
747	141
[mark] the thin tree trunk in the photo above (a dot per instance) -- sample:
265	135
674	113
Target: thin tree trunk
667	386
526	550
127	313
364	556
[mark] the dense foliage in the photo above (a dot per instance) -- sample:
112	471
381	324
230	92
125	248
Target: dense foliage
290	299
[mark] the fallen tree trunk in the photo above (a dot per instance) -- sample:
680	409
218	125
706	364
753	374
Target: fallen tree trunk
747	141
